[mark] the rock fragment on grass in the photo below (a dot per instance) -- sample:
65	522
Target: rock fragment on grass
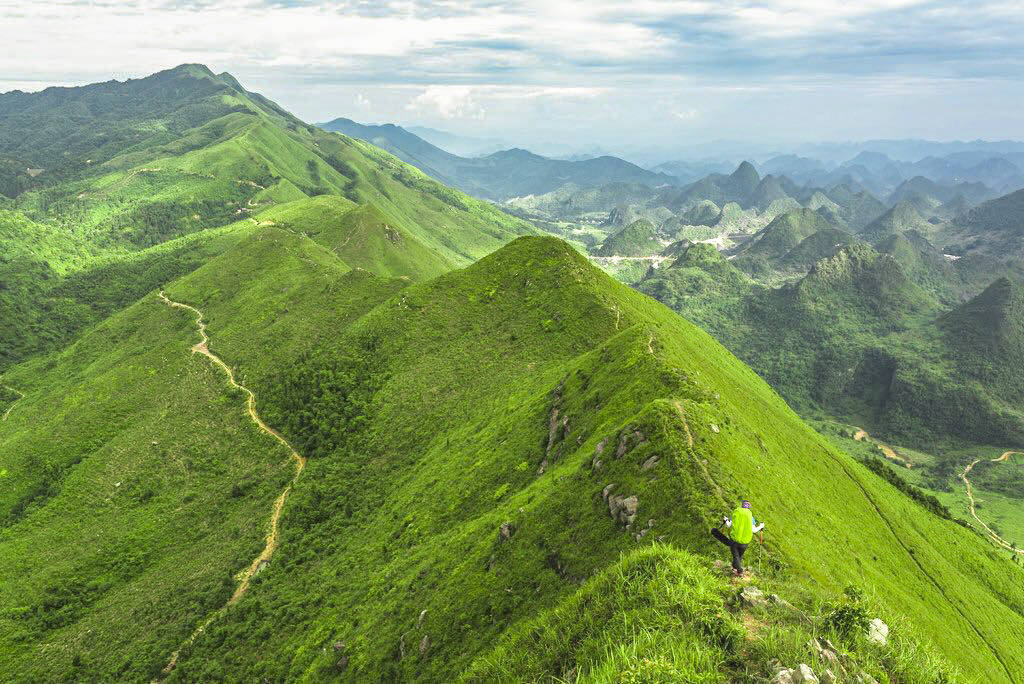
878	632
784	677
623	508
804	675
752	597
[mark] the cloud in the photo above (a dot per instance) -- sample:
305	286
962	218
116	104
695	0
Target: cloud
568	68
685	114
448	102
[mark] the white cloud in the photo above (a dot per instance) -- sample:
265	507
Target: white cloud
559	69
448	102
685	114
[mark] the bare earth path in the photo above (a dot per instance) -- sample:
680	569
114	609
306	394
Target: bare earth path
202	347
970	497
21	395
889	452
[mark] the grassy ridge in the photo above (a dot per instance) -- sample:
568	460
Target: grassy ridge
386	523
438	407
151	453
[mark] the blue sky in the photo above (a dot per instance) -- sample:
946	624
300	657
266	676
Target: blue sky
601	74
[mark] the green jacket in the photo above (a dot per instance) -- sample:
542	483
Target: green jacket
742	526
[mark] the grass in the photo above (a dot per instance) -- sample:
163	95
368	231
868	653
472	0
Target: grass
399	511
425	411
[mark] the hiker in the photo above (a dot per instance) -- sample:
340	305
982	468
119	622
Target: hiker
741	527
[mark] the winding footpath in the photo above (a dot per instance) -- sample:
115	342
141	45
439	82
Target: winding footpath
21	395
970	497
202	347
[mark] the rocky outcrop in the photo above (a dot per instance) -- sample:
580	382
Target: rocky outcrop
623	509
597	463
558	429
826	653
629	439
801	674
643	532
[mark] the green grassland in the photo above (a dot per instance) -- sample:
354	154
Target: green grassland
431	445
936	472
427	418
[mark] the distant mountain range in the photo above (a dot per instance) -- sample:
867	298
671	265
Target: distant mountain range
501	175
993	170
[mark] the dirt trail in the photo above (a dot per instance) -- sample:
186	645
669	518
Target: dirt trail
889	452
970	498
246	575
21	395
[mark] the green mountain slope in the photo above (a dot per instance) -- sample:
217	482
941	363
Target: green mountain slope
987	333
784	233
993	228
898	220
177	154
430	419
859	337
639	238
501	175
151	471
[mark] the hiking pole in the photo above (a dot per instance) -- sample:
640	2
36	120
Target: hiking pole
760	543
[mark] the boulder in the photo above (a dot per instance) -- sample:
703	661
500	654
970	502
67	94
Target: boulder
649	463
784	677
878	632
607	490
597	463
804	675
826	653
623	508
505	531
753	597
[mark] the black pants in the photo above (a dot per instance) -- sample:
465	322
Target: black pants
737	549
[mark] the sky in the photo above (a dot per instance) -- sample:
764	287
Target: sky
595	75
